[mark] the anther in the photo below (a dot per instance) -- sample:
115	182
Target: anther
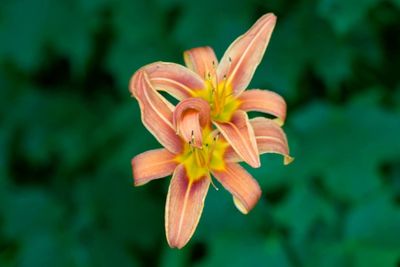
192	137
216	136
230	64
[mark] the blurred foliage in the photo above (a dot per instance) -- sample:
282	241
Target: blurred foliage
68	129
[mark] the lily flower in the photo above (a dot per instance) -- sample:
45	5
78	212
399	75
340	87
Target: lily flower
222	86
193	163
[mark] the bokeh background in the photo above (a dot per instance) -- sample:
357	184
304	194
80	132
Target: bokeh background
69	128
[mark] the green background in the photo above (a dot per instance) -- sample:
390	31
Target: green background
69	128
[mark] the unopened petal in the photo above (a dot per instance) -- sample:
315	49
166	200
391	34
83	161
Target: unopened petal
245	53
190	116
264	101
185	202
239	134
151	165
202	60
176	80
156	112
244	188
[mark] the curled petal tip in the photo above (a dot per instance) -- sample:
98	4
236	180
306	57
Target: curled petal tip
240	206
133	83
287	160
279	121
189	118
271	138
257	163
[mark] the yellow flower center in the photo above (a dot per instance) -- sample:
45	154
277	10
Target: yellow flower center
199	162
221	99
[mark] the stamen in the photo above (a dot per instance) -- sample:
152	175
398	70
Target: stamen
199	157
215	86
212	183
216	136
224	89
230	65
213	145
191	147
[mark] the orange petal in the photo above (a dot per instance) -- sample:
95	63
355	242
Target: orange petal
239	134
152	164
271	138
264	101
174	79
244	188
184	206
201	60
190	116
156	112
245	53
189	128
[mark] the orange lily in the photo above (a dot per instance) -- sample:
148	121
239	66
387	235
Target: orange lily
192	164
222	86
